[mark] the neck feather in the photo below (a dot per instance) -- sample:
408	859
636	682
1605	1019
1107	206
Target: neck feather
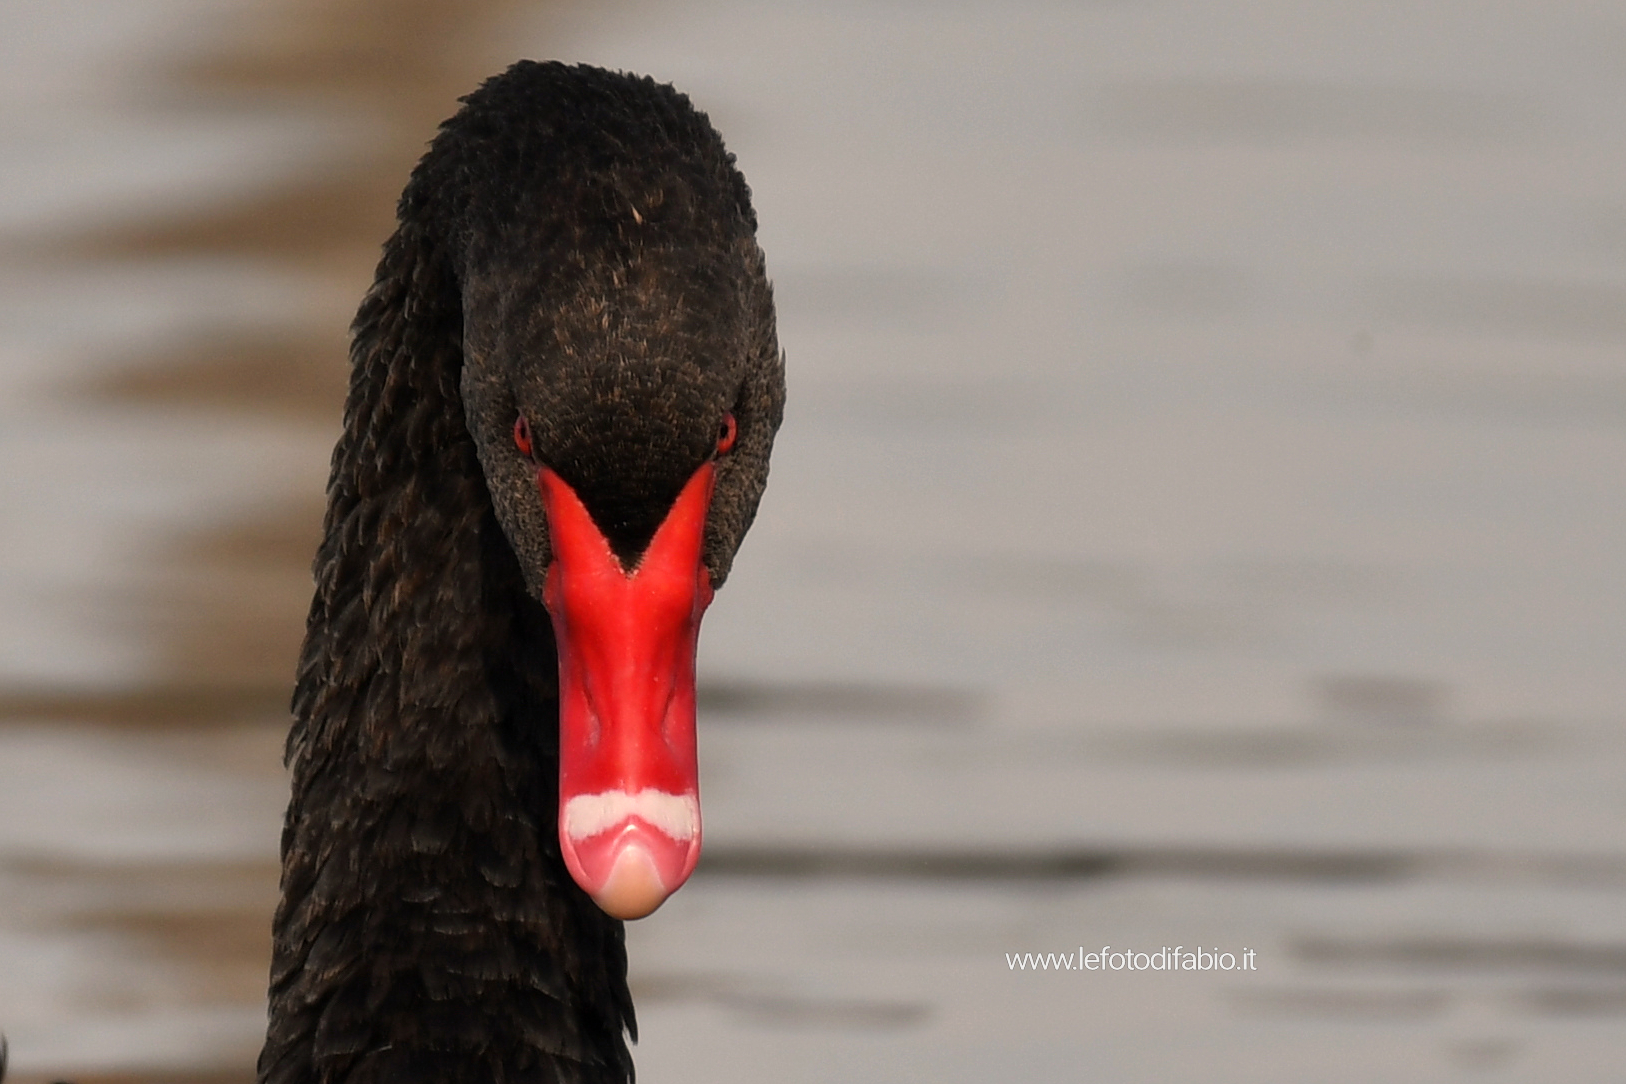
428	928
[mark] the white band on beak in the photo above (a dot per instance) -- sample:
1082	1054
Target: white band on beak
676	815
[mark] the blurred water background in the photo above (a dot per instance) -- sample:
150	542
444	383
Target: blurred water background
1197	521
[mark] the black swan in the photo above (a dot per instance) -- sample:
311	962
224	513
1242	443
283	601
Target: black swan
565	386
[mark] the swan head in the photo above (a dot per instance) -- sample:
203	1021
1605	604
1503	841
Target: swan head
623	384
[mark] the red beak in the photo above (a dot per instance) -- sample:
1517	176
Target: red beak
629	779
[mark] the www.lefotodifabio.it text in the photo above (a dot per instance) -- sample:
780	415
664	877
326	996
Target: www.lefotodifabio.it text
1178	958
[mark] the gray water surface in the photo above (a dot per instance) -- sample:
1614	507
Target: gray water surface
1197	522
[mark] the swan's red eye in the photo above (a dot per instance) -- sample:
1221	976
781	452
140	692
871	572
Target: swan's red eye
725	438
522	436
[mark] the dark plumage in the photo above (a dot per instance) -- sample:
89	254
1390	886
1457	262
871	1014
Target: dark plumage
576	247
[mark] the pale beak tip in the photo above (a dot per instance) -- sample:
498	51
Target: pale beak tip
634	888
